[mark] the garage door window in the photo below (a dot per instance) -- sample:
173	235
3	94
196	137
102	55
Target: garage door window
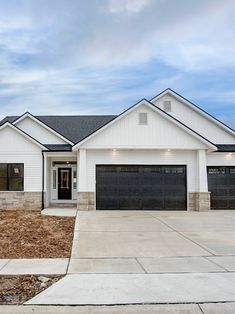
218	170
232	170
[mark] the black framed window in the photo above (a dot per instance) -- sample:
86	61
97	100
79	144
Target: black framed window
11	177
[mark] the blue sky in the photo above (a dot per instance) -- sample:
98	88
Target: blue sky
102	56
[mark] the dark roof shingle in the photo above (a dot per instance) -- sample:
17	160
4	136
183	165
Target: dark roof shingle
58	147
74	128
225	147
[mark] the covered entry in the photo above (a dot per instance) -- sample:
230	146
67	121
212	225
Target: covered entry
221	184
147	187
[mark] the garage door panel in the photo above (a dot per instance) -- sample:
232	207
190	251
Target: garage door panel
174	204
141	187
219	193
221	184
232	180
219	203
151	192
153	204
107	202
129	204
151	179
232	203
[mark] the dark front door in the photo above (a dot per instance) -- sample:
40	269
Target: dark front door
141	187
64	184
221	184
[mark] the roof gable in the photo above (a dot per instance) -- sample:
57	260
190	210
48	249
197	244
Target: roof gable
163	131
195	117
40	130
21	135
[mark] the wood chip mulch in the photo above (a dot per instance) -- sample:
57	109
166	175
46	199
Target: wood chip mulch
19	289
28	234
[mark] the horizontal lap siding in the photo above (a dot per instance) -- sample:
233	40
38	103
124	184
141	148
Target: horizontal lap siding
32	169
221	159
15	148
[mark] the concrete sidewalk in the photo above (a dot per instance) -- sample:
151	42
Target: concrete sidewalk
208	308
116	289
37	266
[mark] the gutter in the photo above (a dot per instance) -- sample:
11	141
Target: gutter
43	180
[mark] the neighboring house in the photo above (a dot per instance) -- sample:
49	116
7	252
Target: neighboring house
163	154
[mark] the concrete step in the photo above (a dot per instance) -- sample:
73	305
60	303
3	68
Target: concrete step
63	205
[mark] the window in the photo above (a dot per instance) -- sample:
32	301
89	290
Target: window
232	170
54	179
170	170
143	118
167	105
11	177
74	179
67	163
217	170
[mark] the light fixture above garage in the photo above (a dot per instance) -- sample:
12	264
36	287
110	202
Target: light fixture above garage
169	150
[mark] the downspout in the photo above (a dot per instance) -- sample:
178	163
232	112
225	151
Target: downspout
42	180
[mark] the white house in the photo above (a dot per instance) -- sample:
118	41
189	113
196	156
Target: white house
163	154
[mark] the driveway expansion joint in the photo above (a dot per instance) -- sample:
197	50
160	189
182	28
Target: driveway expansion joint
183	235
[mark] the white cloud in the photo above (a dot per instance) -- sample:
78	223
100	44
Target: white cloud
189	35
128	6
89	53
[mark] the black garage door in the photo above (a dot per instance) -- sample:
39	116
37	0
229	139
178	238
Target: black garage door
141	187
221	184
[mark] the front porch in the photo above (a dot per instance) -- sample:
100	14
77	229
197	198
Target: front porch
60	179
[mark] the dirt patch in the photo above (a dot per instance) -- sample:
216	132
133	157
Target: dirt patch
32	235
19	289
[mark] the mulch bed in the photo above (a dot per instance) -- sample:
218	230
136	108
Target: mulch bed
28	234
19	289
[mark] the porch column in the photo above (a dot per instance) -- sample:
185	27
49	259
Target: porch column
202	171
45	181
47	169
202	196
81	162
85	199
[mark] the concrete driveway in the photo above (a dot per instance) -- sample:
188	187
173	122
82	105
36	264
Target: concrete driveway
123	257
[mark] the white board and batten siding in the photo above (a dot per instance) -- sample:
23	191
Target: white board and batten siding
141	157
39	132
195	120
18	149
158	133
